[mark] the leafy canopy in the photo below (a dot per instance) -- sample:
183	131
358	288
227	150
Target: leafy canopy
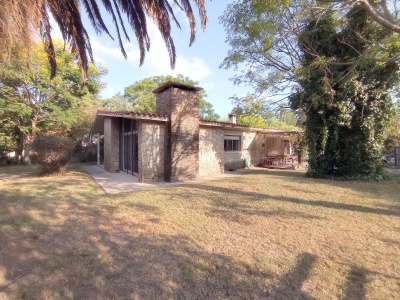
345	94
31	103
338	67
140	97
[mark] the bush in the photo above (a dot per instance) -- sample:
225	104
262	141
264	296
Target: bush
53	153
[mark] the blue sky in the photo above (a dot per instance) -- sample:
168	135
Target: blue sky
199	62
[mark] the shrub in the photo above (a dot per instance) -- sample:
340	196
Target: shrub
54	152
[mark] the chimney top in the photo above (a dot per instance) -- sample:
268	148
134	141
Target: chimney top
232	118
180	85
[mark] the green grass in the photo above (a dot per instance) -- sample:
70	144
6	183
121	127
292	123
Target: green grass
265	234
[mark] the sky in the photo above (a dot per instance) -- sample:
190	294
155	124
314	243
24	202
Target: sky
200	62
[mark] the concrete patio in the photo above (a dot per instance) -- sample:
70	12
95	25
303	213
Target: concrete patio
114	183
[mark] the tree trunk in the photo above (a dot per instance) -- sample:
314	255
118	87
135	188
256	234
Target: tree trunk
20	146
26	153
28	139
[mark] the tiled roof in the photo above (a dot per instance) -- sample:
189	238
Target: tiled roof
209	122
229	124
204	122
133	113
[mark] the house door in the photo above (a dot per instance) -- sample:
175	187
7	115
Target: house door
129	147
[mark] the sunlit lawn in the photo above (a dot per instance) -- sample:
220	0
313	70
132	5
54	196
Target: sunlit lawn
263	235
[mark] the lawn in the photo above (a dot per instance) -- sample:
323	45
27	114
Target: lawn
263	235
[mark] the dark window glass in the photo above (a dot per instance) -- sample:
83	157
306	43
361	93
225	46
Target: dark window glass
232	143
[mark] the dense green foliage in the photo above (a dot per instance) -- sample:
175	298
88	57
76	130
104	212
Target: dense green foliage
140	97
255	112
338	67
31	103
346	95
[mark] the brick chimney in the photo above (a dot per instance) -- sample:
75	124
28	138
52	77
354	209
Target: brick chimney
232	118
181	103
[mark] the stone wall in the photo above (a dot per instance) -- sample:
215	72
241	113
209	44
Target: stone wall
182	145
252	145
151	140
163	102
211	156
111	144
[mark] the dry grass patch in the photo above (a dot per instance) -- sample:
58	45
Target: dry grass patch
264	235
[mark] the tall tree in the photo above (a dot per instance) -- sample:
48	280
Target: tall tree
139	96
24	19
263	38
345	94
342	74
30	102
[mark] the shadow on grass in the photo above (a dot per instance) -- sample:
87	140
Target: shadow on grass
251	196
355	284
290	285
296	179
62	247
83	252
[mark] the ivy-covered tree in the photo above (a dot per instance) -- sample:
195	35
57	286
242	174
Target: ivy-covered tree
341	73
140	97
345	93
31	103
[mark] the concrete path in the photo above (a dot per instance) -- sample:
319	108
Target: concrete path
391	170
114	183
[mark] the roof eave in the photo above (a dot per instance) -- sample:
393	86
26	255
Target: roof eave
136	117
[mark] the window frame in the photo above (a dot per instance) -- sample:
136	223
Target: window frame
235	143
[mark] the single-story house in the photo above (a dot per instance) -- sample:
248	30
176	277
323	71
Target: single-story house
174	144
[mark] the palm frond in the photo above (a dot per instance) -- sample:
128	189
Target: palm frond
21	19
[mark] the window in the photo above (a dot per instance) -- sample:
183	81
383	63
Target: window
232	143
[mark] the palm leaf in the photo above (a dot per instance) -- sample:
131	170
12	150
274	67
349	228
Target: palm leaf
19	19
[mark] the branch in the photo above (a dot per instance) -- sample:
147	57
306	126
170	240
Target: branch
385	19
380	19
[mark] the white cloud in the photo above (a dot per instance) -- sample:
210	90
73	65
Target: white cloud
157	60
102	52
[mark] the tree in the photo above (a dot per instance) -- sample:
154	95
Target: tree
23	20
255	112
263	38
347	104
31	103
140	97
339	74
117	102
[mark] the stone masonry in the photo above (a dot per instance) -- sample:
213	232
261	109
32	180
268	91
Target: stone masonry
211	157
151	139
111	144
181	104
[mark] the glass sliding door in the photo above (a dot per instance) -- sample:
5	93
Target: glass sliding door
129	146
